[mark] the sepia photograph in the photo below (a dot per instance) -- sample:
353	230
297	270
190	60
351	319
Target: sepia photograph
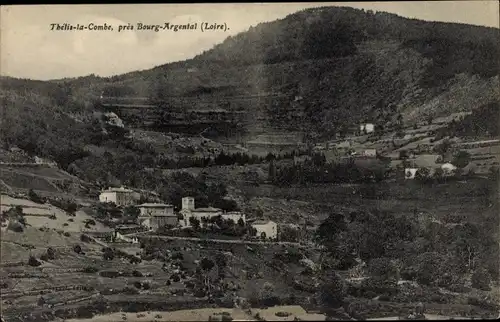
315	161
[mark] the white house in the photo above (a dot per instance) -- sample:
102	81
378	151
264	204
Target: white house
119	196
367	128
157	215
448	168
410	173
370	152
117	236
234	215
266	229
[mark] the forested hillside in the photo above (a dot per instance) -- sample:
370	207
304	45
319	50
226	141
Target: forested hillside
319	70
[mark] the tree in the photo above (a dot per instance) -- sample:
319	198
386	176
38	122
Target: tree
51	254
461	159
132	212
220	260
438	174
266	294
422	174
34	197
481	280
331	292
77	249
289	234
494	173
241	222
382	267
272	171
328	230
33	261
194	222
108	253
443	147
206	264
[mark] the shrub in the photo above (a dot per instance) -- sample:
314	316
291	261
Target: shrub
481	280
66	234
381	267
138	284
137	274
130	291
70	220
177	255
65	224
85	238
226	318
33	261
77	249
175	278
108	253
110	274
15	227
282	314
35	197
90	269
384	298
53	217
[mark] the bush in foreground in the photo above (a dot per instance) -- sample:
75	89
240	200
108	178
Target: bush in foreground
33	261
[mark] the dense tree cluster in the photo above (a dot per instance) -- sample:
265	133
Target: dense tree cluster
482	122
427	251
318	171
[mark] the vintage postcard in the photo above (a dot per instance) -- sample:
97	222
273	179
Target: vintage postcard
250	162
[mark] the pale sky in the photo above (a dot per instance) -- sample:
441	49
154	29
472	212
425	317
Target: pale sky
28	48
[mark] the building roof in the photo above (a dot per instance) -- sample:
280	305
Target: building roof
233	213
155	205
121	189
208	209
262	222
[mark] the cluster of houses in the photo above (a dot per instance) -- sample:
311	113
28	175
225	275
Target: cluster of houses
153	216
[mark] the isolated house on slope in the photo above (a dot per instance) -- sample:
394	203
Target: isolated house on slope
266	229
119	196
367	128
157	215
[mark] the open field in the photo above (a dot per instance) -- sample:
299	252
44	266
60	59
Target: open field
38	216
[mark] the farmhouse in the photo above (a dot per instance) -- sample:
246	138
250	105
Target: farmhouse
119	196
157	215
367	128
266	229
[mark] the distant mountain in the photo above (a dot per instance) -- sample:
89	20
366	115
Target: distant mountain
319	71
345	64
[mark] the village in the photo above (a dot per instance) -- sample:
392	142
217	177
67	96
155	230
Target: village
154	216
